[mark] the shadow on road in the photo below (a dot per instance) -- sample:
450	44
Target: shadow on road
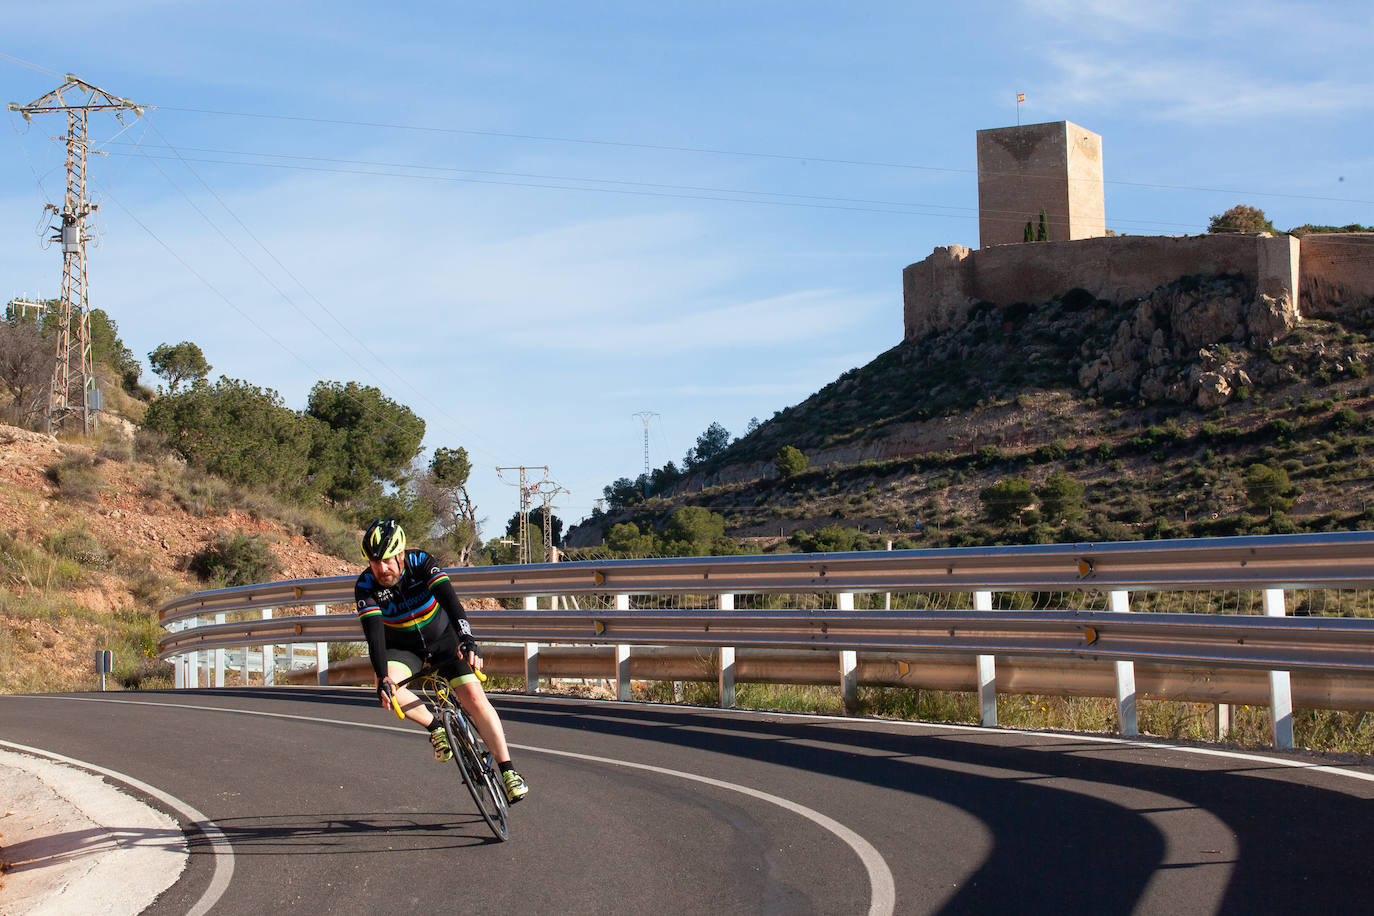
1054	850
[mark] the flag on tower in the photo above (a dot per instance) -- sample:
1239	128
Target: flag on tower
1020	97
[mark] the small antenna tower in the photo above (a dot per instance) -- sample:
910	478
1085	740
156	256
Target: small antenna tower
644	416
73	379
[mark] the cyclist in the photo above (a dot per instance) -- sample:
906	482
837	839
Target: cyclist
410	615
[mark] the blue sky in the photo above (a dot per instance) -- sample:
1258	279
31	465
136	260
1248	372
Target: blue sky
529	221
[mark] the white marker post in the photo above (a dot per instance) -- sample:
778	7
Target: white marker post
104	664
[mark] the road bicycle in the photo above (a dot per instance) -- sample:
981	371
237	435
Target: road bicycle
480	773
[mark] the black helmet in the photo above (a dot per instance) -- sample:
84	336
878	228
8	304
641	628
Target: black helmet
382	539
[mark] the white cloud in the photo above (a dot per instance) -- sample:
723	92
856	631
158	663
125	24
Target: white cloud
1107	19
1196	93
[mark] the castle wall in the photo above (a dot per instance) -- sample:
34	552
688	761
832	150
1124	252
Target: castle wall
1337	273
938	292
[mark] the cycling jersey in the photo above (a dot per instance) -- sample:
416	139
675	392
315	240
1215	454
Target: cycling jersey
414	615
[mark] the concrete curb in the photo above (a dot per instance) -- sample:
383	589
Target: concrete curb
73	843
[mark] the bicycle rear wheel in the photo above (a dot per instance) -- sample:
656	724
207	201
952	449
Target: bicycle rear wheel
478	772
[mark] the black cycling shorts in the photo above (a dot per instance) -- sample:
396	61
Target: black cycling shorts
442	654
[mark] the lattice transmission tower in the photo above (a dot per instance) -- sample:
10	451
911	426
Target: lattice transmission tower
547	490
644	416
73	379
527	491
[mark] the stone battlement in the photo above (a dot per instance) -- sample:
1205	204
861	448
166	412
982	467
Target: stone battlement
1319	275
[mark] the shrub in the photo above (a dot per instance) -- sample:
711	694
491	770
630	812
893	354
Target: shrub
235	559
789	461
1006	499
80	545
1241	218
1053	451
76	477
1268	489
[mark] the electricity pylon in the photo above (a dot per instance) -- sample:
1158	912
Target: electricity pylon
527	491
547	490
645	416
73	379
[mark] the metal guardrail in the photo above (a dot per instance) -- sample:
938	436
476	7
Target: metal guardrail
1273	564
1333	560
1214	640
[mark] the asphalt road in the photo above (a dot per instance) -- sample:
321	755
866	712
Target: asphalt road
327	804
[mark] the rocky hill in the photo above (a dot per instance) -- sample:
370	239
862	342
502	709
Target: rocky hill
1158	407
95	535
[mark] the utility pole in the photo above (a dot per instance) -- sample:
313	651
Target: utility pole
547	490
73	379
527	491
644	416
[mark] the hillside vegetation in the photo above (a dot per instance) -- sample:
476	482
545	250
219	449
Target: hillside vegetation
1192	412
94	535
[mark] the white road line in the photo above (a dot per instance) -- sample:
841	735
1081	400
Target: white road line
224	852
884	892
883	895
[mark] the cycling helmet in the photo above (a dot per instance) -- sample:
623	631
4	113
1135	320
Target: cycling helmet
382	539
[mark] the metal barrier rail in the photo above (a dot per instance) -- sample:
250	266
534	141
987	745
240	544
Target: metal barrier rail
1216	640
1332	560
1318	646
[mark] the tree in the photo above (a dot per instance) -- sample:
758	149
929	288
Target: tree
107	348
660	479
376	438
239	432
1269	488
622	493
445	483
627	540
790	461
710	443
537	526
178	363
693	530
1042	231
25	372
1241	218
1061	498
1006	499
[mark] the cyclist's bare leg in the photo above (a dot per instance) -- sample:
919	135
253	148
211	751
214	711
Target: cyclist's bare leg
479	709
414	708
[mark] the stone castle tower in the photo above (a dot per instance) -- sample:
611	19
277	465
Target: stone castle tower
1055	167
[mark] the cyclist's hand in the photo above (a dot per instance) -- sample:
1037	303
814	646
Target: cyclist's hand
467	647
386	689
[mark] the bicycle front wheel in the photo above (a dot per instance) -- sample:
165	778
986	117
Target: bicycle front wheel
479	773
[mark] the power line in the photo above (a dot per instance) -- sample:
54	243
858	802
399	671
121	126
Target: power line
716	151
281	292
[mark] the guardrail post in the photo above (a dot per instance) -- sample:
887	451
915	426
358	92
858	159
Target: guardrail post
987	670
1126	714
321	655
269	656
1280	687
219	658
622	657
531	652
178	669
849	661
727	659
